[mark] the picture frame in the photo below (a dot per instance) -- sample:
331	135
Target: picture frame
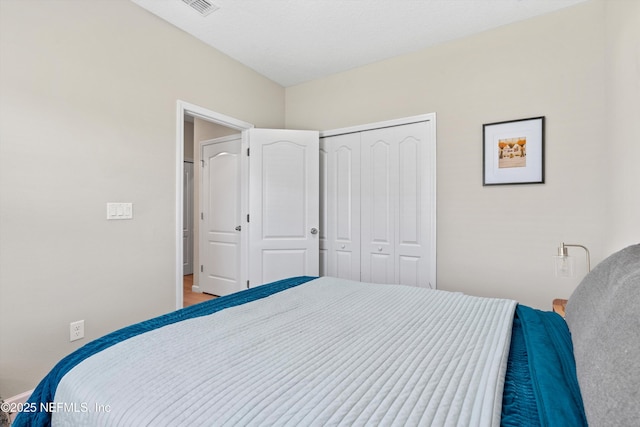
513	152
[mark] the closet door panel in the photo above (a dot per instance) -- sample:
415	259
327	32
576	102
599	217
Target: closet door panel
409	270
378	268
412	243
409	192
343	205
344	262
379	193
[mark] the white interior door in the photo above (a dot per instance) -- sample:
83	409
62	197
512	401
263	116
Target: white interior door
220	235
283	205
187	219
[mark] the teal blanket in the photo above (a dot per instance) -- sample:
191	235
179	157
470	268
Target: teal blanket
541	386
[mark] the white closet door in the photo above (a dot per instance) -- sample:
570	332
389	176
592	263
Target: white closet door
379	193
343	205
284	204
412	222
390	202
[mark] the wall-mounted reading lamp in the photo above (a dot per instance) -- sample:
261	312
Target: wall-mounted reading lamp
564	264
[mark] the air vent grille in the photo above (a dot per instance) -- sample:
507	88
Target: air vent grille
203	7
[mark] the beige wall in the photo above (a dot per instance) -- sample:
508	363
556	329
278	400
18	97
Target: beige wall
88	116
623	122
496	241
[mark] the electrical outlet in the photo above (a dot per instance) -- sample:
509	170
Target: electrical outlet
76	330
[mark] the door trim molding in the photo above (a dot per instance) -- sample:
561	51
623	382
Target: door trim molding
183	108
430	117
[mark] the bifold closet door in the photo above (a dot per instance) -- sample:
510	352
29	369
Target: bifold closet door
395	197
378	200
342	212
378	205
413	219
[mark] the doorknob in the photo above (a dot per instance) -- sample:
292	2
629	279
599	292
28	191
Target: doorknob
314	230
238	228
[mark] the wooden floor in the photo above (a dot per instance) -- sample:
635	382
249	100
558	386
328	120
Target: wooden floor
190	297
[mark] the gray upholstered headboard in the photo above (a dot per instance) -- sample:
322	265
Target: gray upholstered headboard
603	315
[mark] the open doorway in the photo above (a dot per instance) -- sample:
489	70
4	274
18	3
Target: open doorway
194	124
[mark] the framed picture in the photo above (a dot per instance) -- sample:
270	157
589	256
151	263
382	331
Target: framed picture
513	152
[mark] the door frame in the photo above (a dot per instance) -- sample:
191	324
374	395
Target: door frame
183	108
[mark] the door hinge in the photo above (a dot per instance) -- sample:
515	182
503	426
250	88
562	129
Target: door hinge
247	284
201	215
247	217
247	152
202	269
202	163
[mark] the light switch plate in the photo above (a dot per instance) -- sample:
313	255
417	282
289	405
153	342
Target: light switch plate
119	210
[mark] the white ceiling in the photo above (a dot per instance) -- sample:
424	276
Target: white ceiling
294	41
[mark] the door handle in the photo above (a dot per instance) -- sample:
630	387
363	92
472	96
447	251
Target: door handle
314	230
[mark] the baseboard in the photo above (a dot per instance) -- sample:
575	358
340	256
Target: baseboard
196	288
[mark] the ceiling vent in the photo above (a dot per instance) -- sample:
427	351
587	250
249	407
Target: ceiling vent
203	7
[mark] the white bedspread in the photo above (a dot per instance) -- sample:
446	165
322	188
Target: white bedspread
328	352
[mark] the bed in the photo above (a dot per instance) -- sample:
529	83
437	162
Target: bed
326	351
